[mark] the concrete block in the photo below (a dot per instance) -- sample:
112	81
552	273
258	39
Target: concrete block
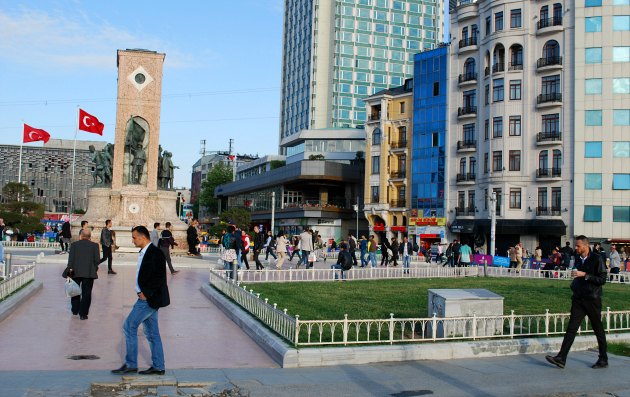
14	301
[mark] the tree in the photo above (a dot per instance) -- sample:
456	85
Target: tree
238	216
14	191
316	157
277	164
218	175
18	211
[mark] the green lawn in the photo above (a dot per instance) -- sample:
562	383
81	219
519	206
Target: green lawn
408	298
619	348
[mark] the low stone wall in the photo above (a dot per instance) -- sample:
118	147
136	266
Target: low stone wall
14	301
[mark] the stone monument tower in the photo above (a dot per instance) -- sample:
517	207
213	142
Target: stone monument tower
134	197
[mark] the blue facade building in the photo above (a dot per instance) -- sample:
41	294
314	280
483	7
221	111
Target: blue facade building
430	125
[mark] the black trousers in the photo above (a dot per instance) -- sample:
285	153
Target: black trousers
259	265
354	256
295	252
81	304
244	259
107	256
192	247
580	308
384	258
167	254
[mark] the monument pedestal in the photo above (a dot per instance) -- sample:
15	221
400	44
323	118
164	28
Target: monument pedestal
132	206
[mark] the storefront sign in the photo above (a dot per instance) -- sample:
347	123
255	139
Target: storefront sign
427	221
401	229
411	230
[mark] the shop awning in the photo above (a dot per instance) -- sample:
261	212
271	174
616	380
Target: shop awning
524	226
463	226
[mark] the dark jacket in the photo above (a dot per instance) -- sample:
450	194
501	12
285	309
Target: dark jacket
83	259
152	278
401	248
191	235
166	239
106	237
259	241
590	286
65	230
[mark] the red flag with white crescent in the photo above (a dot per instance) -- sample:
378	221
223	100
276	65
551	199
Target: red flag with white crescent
89	123
35	134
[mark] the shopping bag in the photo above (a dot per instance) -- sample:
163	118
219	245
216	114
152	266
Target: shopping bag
72	288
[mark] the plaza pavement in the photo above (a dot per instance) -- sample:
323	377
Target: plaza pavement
203	346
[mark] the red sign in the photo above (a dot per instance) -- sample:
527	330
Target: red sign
429	236
398	229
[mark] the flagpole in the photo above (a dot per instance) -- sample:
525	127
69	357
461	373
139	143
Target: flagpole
20	164
74	161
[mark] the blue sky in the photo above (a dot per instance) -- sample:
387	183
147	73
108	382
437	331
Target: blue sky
221	74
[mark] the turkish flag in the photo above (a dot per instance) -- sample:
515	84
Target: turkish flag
89	123
34	134
231	157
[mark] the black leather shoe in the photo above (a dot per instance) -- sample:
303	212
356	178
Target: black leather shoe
177	271
152	371
556	360
83	317
111	272
600	364
124	370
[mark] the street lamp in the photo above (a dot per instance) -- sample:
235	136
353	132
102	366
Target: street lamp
356	208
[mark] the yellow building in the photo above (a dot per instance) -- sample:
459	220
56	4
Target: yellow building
388	160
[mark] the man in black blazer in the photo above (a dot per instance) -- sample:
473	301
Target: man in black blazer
83	260
152	291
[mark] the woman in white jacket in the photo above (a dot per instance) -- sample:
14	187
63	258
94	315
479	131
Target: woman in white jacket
281	249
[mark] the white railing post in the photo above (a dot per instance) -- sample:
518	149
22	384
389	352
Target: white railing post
608	318
512	324
297	330
474	326
546	322
345	329
391	328
434	327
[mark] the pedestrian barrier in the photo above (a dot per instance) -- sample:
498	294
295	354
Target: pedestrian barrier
30	244
19	276
403	330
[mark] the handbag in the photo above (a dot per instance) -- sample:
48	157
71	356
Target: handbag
72	288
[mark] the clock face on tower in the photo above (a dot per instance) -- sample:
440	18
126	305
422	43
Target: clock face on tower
134	208
140	78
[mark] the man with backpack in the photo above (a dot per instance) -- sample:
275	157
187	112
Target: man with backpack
352	247
344	261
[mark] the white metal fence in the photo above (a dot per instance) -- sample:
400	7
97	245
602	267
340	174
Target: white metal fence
16	280
402	330
27	244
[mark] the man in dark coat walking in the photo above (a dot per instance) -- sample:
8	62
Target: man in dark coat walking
83	260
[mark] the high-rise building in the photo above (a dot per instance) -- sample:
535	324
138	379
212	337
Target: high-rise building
601	181
337	52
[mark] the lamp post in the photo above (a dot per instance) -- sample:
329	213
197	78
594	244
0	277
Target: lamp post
356	208
493	221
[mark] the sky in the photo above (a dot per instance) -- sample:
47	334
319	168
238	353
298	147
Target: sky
221	76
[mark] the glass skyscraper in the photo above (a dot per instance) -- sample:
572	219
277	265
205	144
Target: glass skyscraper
337	52
430	125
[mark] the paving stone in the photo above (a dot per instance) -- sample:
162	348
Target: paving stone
194	391
167	391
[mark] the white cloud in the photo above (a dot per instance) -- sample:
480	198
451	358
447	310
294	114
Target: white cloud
55	40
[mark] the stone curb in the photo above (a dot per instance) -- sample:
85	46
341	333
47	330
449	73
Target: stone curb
14	301
289	357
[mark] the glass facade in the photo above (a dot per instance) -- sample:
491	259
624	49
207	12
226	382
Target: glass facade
372	49
429	132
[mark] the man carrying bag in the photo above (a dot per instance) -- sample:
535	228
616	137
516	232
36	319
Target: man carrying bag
82	267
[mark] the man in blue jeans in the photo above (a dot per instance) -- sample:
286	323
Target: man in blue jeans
152	291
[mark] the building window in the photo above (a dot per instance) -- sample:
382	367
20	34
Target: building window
376	136
498	21
488	25
486	130
462	166
472	169
594	55
550	85
471	200
592	181
621	117
469	133
621	22
556	198
376	164
375	194
621	149
485	163
498	192
621	181
515	160
592	213
515	198
497	90
515	18
402	107
486	199
592	117
593	149
621	214
620	54
621	2
515	125
593	86
515	90
497	127
497	161
621	85
592	3
593	24
543	161
487	95
436	88
542	197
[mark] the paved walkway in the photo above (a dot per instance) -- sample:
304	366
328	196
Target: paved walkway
43	332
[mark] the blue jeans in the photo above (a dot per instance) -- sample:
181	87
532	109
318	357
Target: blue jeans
373	258
304	258
364	261
229	268
338	266
239	260
1	252
406	263
142	313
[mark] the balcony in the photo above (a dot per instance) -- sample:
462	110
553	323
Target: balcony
498	67
549	173
548	100
548	138
463	211
374	117
512	67
397	204
549	25
398	145
466	146
548	63
397	175
546	211
467	79
468	44
466	178
466	9
467	112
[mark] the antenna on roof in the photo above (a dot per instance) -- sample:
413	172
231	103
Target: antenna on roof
202	150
